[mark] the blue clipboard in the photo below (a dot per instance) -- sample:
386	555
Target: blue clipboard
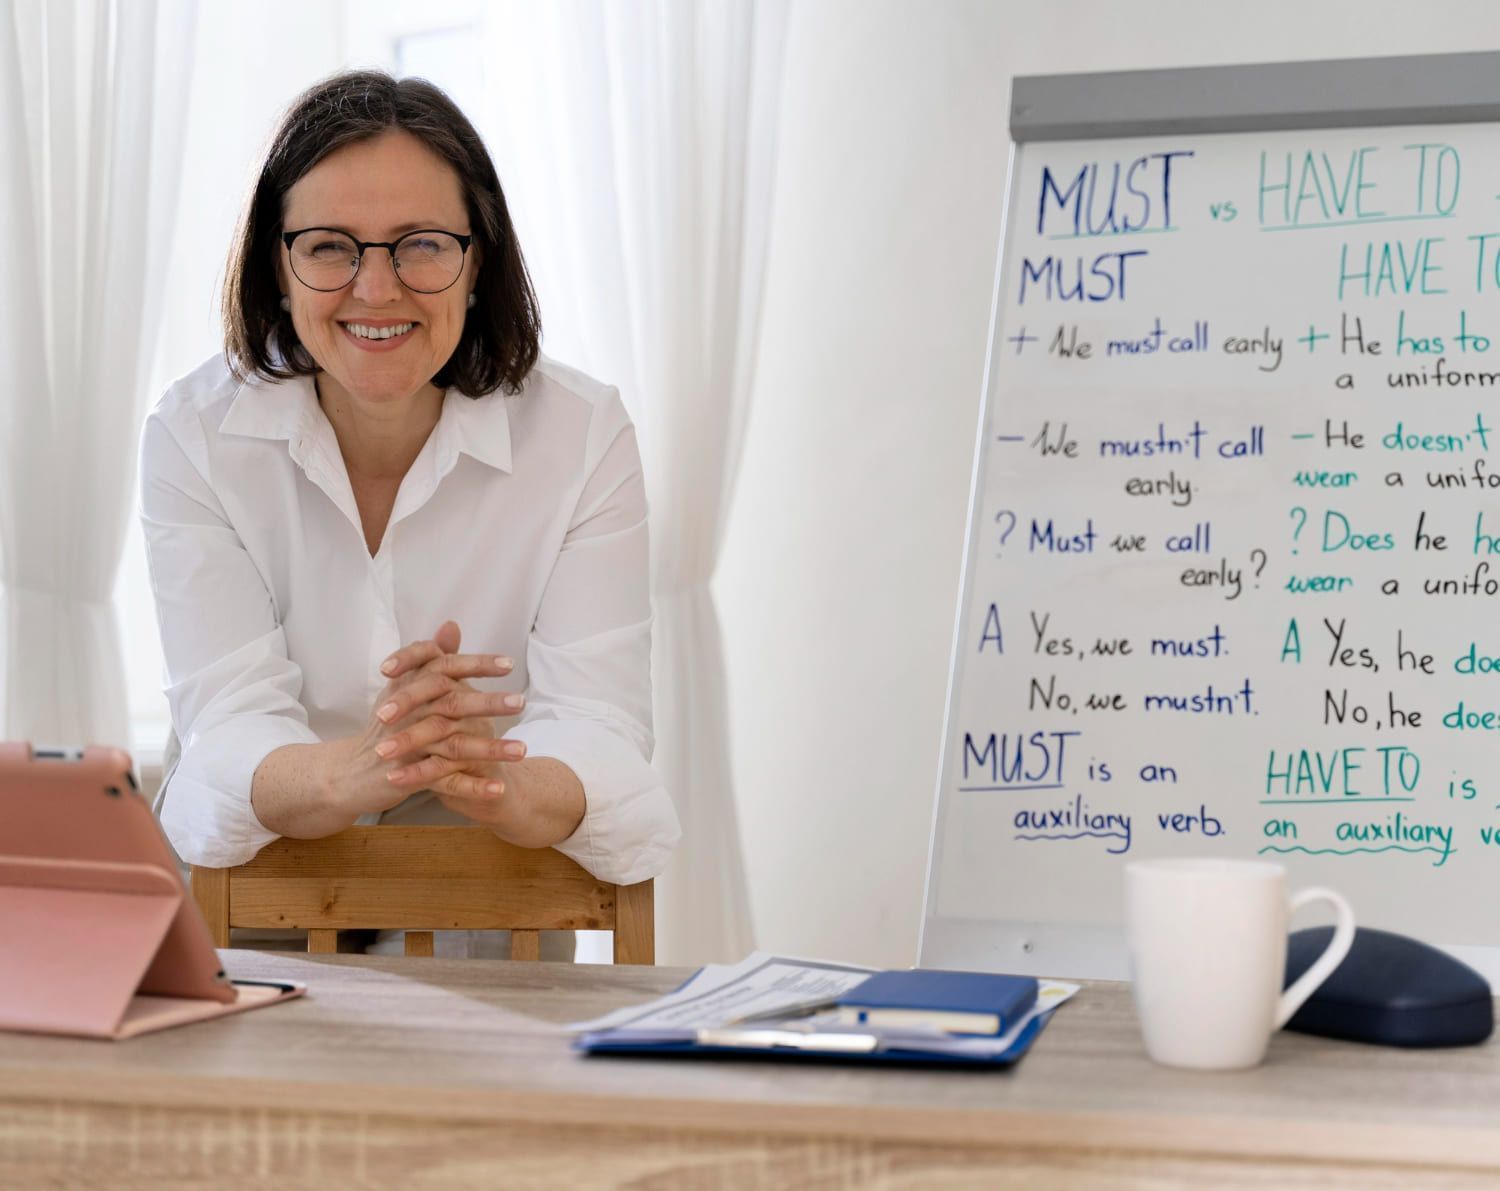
779	1045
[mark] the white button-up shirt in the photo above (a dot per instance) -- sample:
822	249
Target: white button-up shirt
523	519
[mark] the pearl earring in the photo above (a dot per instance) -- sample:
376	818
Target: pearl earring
286	302
472	300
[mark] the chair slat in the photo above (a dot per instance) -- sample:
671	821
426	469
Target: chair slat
424	904
399	852
211	892
422	879
635	924
322	942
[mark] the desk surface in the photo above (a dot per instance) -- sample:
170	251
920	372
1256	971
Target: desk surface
467	1057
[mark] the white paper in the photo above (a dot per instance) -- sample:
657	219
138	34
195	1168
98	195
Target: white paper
721	994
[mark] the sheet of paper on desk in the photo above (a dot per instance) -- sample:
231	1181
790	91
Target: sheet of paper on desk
720	994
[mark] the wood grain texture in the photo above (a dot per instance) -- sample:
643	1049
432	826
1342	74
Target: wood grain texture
417	942
525	944
454	1072
635	924
210	888
422	878
426	851
322	942
444	903
147	1149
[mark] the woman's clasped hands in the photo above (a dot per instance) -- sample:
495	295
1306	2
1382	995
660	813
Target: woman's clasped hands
430	729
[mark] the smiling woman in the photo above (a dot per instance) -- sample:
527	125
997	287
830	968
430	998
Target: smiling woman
409	307
380	466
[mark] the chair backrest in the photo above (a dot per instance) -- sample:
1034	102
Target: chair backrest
421	879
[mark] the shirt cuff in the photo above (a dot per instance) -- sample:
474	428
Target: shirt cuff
629	824
206	809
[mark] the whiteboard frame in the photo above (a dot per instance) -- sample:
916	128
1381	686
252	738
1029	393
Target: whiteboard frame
1265	97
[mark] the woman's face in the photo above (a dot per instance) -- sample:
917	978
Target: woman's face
377	190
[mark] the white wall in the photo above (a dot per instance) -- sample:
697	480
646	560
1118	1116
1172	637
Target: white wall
840	579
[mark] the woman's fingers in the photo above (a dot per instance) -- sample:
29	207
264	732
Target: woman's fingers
443	737
465	703
424	773
445	776
440	734
429	655
456	702
409	657
448	636
461	747
469	665
403	700
469	795
419	735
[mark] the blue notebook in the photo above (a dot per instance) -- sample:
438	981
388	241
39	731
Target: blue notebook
891	1017
831	1046
954	1002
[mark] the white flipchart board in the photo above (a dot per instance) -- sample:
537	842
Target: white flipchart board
1232	577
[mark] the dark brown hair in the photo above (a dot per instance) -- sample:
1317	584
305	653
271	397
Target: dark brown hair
501	333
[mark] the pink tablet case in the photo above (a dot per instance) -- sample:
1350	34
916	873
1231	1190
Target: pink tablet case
97	935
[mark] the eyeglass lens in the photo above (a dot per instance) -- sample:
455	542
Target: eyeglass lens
427	262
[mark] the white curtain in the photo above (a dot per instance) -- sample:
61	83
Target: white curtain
636	142
92	110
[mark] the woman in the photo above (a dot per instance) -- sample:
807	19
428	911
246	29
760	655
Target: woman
379	469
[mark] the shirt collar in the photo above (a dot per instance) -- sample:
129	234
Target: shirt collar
475	426
478	427
268	409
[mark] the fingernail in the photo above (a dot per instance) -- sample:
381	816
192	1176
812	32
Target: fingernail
494	788
514	748
385	748
506	662
515	702
388	666
387	713
396	775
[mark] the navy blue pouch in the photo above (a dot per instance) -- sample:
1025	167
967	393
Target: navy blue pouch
1391	990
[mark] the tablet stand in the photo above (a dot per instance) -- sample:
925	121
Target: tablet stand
77	937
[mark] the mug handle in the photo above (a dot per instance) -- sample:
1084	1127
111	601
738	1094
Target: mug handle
1333	955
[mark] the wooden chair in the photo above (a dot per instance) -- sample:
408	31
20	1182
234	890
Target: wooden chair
421	879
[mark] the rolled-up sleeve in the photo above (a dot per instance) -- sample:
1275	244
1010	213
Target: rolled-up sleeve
233	692
589	663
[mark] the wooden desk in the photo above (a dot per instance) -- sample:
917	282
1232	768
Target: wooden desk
435	1073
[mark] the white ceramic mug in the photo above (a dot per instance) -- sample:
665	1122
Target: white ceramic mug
1208	943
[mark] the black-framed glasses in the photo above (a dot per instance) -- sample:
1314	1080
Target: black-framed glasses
427	260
